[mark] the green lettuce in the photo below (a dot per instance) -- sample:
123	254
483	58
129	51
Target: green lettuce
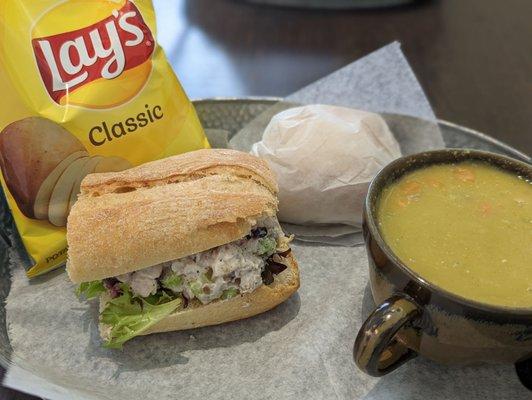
229	293
128	317
172	281
90	290
266	246
158	298
196	287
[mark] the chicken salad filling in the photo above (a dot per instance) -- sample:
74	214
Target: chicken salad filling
219	273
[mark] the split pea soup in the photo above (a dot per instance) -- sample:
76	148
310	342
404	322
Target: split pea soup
465	227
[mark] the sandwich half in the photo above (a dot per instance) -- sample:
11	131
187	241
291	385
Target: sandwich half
179	243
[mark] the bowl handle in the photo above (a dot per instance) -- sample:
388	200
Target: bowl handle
377	351
524	372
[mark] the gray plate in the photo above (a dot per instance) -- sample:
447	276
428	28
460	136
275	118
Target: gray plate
231	115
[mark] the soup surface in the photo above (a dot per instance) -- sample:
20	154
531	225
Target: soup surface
466	227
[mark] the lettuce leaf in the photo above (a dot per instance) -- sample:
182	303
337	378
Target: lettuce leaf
229	293
266	246
158	298
172	281
90	290
128	317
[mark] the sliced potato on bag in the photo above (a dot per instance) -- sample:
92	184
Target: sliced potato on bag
60	198
30	149
86	169
42	200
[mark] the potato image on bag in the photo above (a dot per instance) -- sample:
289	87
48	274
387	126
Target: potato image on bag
43	165
31	150
88	167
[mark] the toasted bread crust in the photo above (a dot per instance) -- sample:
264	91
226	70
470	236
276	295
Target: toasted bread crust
184	167
242	306
168	209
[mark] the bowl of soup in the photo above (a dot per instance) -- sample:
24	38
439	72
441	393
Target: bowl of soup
449	240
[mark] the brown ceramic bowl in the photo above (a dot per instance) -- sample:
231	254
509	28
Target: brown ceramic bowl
414	316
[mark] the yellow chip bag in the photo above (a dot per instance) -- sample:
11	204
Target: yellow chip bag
85	89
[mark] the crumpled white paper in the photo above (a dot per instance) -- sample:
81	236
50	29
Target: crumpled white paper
324	158
381	82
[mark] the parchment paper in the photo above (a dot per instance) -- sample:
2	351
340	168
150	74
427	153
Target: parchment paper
300	350
381	82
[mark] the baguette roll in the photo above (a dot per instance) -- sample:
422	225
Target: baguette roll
205	219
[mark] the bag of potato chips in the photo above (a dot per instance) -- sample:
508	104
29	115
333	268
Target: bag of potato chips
85	89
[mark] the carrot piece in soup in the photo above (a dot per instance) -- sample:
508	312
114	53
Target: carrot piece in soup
403	202
485	209
409	191
435	183
464	174
411	188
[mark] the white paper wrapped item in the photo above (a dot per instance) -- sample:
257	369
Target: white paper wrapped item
324	158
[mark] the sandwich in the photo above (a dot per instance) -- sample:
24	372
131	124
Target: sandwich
179	243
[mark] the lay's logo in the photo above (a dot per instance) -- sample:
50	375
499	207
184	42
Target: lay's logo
112	55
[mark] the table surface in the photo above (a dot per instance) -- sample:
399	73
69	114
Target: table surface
473	58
